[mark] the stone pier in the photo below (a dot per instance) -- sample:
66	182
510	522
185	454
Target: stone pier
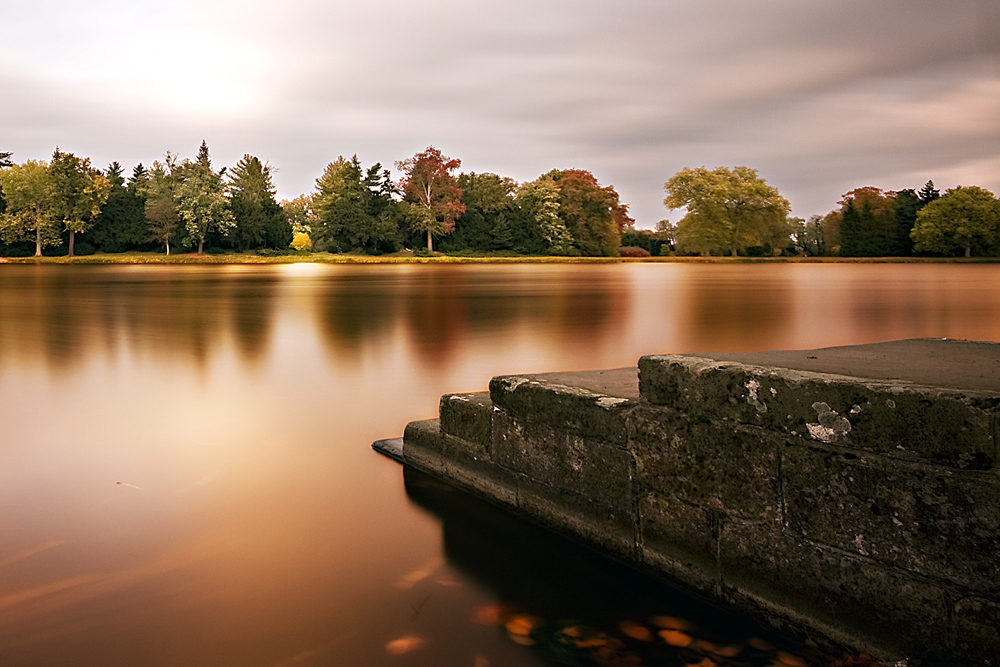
852	493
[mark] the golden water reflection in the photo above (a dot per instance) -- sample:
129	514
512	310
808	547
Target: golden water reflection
185	472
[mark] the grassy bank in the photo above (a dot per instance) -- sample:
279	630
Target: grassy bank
409	258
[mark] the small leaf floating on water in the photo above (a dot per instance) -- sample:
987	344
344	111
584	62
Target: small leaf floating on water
635	631
788	660
676	638
404	645
520	627
705	662
671	623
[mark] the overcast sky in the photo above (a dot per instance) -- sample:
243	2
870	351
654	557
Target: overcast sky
821	96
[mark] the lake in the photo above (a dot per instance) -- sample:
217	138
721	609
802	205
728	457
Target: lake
185	467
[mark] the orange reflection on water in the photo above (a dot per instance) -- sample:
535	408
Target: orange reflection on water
185	475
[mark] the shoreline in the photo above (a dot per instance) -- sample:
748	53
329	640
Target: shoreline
325	258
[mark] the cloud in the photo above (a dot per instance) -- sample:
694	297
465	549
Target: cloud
821	97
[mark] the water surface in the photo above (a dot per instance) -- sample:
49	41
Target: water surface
185	472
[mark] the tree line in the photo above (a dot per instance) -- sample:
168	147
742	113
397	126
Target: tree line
71	207
734	211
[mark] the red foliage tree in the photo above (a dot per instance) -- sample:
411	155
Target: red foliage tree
593	214
432	192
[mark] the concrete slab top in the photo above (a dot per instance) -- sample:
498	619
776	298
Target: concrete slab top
940	362
616	382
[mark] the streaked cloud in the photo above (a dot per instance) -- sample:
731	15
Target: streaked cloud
821	97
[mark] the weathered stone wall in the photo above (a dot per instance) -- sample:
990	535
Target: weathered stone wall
865	511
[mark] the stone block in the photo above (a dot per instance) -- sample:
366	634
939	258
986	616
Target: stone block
423	445
896	418
678	539
939	522
475	471
587	412
722	466
849	596
611	528
564	459
976	628
468	416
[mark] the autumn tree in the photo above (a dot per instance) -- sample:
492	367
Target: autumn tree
260	221
201	201
431	193
540	200
591	213
29	211
78	193
960	218
727	209
299	213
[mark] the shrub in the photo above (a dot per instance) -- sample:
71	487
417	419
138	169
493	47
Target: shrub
633	251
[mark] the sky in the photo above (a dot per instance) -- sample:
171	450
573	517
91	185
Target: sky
820	96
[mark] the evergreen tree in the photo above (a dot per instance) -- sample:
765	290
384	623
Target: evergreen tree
354	209
121	224
260	221
868	224
906	204
928	193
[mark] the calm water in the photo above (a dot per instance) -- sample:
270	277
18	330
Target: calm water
185	472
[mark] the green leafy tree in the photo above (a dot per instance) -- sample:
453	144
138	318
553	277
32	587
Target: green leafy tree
727	209
431	193
158	187
78	193
260	221
30	202
960	218
809	236
5	161
539	199
201	201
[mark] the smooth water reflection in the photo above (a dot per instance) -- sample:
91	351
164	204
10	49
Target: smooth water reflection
185	472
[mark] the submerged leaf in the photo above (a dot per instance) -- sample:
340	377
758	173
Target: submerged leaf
404	645
676	638
672	623
636	631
